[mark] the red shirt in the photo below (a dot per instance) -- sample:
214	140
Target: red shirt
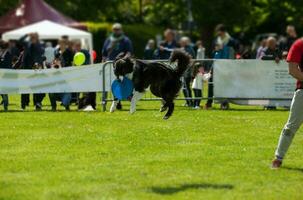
295	55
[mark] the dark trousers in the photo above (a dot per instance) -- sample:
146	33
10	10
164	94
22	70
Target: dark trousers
187	90
25	99
210	92
38	98
198	94
65	98
5	101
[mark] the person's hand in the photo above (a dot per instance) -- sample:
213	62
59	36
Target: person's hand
284	54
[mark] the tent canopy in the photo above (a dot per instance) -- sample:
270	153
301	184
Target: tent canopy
32	11
48	30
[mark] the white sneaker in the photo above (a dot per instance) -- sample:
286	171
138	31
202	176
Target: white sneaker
88	109
113	106
197	107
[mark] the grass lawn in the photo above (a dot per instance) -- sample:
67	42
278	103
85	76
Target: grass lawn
194	155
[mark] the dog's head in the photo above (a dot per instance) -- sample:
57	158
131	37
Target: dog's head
123	65
180	56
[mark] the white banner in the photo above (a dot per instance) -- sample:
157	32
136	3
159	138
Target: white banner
253	79
70	79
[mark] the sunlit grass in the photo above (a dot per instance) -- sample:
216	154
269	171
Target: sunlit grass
196	154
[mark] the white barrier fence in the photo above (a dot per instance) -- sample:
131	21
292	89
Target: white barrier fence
255	80
70	79
251	81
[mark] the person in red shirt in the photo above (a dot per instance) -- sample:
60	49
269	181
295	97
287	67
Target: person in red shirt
295	65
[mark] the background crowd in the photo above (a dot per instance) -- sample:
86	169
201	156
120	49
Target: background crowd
31	53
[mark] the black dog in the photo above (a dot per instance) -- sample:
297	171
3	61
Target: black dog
163	80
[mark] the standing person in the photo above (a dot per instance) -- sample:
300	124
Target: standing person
167	46
200	50
149	50
291	37
32	59
271	52
115	44
200	76
224	48
88	97
187	77
261	48
64	53
49	53
5	63
227	44
63	58
295	119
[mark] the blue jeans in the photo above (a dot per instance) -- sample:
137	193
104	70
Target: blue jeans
65	98
5	101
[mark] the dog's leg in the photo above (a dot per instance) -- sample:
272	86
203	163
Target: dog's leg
136	97
171	107
113	106
164	106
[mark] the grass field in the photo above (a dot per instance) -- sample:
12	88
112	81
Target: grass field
194	155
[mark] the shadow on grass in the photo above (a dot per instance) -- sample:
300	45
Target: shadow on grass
297	169
184	187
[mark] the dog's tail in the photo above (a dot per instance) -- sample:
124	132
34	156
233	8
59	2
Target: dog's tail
183	61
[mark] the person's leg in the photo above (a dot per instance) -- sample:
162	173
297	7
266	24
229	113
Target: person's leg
188	80
38	98
210	93
53	99
187	90
24	100
198	94
66	99
293	124
5	101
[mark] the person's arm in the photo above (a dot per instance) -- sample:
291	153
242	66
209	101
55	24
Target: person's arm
22	40
206	77
294	71
129	47
104	50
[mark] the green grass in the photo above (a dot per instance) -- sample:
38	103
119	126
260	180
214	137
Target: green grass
194	155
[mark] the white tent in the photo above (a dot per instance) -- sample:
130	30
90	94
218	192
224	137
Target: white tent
48	30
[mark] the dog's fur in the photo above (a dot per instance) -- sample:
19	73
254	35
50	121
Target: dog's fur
163	80
87	99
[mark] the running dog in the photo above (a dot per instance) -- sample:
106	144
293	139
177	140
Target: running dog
164	80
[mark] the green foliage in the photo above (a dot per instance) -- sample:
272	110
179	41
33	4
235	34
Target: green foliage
244	15
99	156
248	16
168	13
138	33
6	5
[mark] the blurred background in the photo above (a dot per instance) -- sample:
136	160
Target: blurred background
143	19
